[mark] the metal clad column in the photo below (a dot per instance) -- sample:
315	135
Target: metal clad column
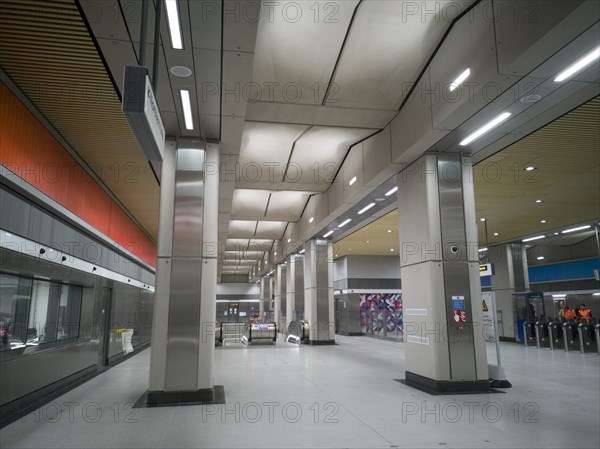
318	291
290	295
277	295
445	349
263	293
208	300
181	365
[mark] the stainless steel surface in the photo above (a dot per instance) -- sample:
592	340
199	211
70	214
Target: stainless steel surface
184	325
456	270
189	194
325	329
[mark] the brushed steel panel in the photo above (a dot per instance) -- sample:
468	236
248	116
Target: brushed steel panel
189	194
460	342
184	325
452	216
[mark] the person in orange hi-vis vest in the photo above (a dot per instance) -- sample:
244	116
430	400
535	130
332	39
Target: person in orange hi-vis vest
585	314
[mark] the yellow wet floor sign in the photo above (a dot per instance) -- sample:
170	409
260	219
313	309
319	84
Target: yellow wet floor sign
485	307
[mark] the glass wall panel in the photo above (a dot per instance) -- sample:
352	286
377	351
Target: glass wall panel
15	293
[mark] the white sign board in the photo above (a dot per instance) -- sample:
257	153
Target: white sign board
488	304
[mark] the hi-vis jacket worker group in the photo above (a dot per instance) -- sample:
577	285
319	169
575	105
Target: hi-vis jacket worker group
582	312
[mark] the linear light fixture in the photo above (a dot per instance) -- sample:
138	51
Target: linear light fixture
301	251
352	181
559	296
186	104
344	223
486	128
530	239
289	240
174	25
366	208
391	192
458	81
311	219
580	228
481	250
540	258
328	234
578	65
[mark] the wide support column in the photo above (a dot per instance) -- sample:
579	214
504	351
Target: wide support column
182	352
445	348
263	294
318	292
279	283
510	275
290	295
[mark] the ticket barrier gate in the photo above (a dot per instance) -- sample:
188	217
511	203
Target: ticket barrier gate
556	338
218	334
588	341
297	332
529	333
571	336
254	332
542	334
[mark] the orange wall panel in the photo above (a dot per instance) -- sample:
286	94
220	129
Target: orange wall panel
29	150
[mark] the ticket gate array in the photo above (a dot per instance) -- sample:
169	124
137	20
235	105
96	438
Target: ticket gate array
570	336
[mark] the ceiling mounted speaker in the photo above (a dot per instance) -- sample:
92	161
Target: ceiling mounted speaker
181	71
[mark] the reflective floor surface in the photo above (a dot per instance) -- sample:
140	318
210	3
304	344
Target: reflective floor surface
341	396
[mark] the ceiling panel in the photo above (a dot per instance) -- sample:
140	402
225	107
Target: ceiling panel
236	244
284	71
270	229
266	149
319	153
387	47
287	206
249	203
239	229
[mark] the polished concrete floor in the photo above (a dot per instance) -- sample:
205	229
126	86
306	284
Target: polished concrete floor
286	396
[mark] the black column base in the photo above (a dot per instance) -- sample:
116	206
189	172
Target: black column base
215	395
433	386
320	342
351	334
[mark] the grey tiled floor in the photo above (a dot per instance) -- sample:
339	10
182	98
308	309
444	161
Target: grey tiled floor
329	397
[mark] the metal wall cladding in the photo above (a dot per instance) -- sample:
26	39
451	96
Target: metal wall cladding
25	219
452	216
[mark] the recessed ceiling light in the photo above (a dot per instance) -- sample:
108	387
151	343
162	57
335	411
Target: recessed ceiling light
543	221
344	223
392	249
580	228
482	219
275	253
311	219
336	255
458	81
366	208
289	240
367	241
389	231
392	191
578	65
529	168
186	104
530	239
539	201
352	181
486	128
174	25
556	233
540	258
328	234
495	233
180	71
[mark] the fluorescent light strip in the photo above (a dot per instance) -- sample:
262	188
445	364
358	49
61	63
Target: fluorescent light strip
174	25
344	223
486	128
578	65
391	192
352	181
540	258
328	234
186	104
559	296
311	219
530	239
458	81
363	210
580	228
482	250
301	252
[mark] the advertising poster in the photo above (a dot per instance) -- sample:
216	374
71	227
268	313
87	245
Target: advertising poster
381	314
